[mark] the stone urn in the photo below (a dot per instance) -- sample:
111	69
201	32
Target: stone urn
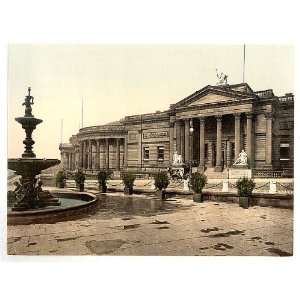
161	194
128	190
103	188
197	197
81	187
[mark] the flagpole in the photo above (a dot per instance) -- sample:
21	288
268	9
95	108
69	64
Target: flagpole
82	112
61	130
244	62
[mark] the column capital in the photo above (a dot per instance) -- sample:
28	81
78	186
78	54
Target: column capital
268	115
202	119
237	116
249	115
218	118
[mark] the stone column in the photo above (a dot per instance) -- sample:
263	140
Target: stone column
249	138
83	154
219	167
125	151
237	135
202	145
182	140
90	154
186	140
171	142
70	161
80	155
106	153
178	136
118	154
269	135
228	151
210	154
97	162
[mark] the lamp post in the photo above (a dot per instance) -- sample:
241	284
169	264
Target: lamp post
191	146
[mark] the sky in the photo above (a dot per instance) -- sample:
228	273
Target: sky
118	80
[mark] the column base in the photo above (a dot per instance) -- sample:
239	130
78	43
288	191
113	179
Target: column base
218	168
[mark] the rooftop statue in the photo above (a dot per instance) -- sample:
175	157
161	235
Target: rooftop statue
222	78
242	159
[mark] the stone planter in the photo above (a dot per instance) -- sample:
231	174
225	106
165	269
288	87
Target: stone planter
161	194
60	184
81	187
197	197
103	188
128	190
244	202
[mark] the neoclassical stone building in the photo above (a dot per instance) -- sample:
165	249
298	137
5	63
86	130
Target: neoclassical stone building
208	128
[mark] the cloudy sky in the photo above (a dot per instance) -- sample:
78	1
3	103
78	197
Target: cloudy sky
119	80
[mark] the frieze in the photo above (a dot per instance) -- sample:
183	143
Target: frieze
155	134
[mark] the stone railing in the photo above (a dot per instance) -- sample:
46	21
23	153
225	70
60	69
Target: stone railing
265	93
265	173
287	98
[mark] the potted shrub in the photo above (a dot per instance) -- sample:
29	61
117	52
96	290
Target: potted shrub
198	181
245	187
103	176
79	179
161	182
128	180
60	179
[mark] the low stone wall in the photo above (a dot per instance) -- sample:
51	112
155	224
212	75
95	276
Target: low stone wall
260	199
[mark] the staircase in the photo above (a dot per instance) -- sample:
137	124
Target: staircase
212	174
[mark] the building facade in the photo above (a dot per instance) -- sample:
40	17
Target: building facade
208	128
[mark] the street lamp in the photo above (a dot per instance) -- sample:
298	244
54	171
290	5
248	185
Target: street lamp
191	146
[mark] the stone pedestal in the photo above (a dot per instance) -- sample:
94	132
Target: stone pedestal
225	186
236	173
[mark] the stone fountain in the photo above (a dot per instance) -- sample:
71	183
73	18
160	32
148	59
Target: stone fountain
28	193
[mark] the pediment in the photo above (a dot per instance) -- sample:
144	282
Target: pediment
210	98
214	94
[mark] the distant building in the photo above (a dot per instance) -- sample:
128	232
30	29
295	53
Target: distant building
225	119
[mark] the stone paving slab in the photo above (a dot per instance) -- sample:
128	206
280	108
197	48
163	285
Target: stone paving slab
207	228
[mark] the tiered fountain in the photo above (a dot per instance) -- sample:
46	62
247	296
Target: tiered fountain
28	193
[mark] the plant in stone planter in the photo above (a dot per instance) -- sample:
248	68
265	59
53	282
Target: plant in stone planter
245	187
128	180
79	179
60	179
103	176
198	181
161	182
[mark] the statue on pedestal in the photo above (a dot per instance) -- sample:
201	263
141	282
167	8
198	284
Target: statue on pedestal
222	78
242	159
177	159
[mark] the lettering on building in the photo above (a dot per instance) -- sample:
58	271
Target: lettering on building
155	134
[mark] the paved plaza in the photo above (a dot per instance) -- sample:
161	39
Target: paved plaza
178	226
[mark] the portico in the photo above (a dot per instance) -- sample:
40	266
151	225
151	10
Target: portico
218	137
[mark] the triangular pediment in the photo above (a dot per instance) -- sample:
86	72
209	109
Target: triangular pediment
209	98
216	94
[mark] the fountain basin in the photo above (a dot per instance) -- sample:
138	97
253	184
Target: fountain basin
73	205
32	166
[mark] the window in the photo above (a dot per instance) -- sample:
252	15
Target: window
146	153
160	153
284	151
